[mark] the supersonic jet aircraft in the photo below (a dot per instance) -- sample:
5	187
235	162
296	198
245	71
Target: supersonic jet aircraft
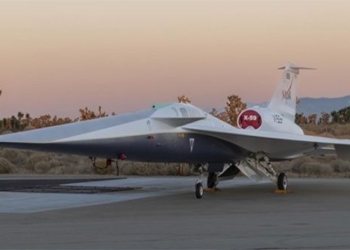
180	133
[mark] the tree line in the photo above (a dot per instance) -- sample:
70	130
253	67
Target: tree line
234	106
27	122
342	116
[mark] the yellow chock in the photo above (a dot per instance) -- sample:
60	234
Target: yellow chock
288	191
211	189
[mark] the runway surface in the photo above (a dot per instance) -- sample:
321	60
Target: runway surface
163	213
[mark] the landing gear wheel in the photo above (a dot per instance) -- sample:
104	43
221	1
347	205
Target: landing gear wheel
199	190
282	181
212	180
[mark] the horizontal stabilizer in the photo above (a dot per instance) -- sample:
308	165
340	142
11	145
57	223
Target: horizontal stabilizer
297	68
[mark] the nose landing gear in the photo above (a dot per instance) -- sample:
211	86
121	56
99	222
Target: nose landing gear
199	189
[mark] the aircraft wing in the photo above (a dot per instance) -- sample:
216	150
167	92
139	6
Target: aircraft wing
276	145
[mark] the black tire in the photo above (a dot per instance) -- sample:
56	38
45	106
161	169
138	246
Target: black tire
212	180
199	190
282	181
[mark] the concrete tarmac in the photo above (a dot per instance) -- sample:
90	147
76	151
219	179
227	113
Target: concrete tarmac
165	214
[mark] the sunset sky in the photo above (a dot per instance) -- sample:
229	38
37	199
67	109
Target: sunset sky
59	56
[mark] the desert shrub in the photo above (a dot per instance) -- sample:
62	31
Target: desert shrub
7	167
295	165
66	160
73	162
144	169
284	166
54	163
34	159
316	168
57	170
69	164
84	168
126	167
318	129
340	166
9	154
177	169
17	157
325	159
151	168
340	130
327	134
42	167
309	132
330	130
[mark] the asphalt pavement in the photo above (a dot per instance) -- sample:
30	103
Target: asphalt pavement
163	213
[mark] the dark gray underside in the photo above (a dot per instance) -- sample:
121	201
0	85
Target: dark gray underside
167	147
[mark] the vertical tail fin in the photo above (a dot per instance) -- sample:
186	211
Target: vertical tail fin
285	97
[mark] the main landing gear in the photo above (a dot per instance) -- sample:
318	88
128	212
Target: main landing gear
260	162
282	182
255	166
212	180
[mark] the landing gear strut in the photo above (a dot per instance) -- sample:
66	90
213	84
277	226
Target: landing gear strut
260	162
212	180
104	168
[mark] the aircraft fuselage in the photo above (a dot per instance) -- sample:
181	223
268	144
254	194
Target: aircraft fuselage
163	147
143	136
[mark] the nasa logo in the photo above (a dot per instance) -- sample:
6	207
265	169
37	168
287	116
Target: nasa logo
287	94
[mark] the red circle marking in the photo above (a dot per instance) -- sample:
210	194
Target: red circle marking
249	118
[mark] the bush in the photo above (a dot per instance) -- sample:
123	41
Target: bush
42	167
17	157
7	167
54	163
57	170
151	168
34	159
316	168
340	166
295	165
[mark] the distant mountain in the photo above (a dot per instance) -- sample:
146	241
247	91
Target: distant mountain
317	105
310	105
